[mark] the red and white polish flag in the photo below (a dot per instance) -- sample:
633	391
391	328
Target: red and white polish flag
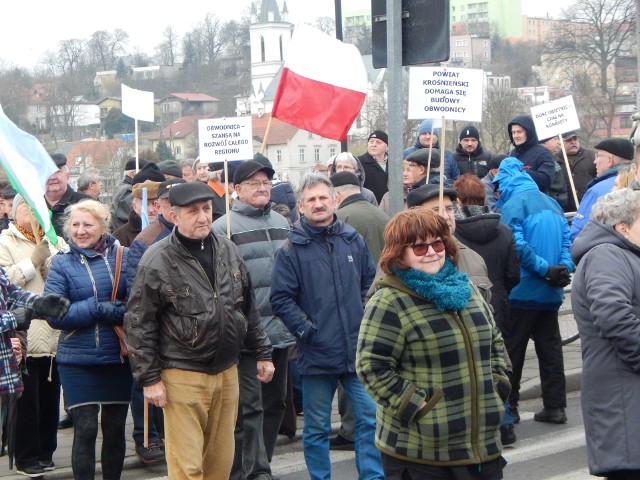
323	84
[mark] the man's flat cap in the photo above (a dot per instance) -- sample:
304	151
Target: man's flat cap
59	159
163	189
421	194
421	157
620	147
344	178
170	167
187	193
131	164
248	169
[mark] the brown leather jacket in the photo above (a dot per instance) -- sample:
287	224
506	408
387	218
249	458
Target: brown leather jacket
175	320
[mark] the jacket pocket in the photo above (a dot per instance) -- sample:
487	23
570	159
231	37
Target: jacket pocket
430	404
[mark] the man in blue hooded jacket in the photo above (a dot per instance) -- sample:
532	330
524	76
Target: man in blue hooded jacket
541	233
537	160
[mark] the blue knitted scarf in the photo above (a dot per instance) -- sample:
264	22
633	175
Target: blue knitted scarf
448	289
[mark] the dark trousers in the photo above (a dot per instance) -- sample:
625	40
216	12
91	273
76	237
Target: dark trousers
260	411
542	326
85	431
38	413
397	469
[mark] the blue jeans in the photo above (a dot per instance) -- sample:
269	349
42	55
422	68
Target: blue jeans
317	397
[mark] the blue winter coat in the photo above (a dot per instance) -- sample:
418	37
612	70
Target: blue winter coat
597	187
85	339
537	160
541	233
318	285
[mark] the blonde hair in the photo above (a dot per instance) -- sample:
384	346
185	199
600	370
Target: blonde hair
97	210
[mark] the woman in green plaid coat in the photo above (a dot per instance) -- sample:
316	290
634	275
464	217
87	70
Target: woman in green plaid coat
430	355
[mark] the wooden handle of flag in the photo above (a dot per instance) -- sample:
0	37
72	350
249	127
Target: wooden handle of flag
429	158
226	197
442	170
263	147
566	163
145	441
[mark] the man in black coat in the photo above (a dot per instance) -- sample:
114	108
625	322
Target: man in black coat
470	155
374	163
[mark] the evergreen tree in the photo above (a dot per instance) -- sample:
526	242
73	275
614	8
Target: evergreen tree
163	151
121	70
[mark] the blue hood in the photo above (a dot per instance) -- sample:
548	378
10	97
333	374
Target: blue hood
512	179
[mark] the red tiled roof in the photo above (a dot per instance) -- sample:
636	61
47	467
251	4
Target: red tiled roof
194	97
279	134
101	152
180	128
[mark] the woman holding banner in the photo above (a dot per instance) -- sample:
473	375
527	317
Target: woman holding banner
26	256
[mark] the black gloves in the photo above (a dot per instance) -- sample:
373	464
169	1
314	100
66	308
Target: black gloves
50	305
558	276
111	312
23	317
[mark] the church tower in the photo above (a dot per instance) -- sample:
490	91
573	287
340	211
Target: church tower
270	36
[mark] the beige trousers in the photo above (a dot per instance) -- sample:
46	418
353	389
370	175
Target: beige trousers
199	420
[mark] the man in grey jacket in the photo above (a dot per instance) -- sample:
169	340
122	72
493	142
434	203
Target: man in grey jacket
258	231
190	310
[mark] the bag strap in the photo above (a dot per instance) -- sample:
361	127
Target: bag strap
116	273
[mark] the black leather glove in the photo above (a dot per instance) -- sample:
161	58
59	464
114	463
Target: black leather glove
558	276
50	305
23	317
111	312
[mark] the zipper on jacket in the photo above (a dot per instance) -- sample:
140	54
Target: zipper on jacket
95	294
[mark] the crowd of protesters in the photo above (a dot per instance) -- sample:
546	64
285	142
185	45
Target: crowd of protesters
223	323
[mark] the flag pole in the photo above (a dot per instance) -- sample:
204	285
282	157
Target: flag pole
226	196
566	164
429	158
266	136
136	137
442	170
34	224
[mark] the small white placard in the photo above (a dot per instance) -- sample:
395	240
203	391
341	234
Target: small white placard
556	117
228	138
448	93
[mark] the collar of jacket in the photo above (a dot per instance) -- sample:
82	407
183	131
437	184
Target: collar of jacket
215	243
471	155
612	172
304	234
356	197
165	222
250	211
89	252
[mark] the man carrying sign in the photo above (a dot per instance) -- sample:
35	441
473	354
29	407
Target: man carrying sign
583	170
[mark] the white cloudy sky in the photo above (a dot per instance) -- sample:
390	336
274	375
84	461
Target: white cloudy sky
30	28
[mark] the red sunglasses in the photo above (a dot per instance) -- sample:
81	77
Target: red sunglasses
421	249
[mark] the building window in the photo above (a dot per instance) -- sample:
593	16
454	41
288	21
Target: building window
625	122
316	154
310	136
262	51
281	53
278	156
332	151
600	125
301	155
177	151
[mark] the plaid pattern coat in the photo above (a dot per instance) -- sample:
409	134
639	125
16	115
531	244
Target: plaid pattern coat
11	296
409	353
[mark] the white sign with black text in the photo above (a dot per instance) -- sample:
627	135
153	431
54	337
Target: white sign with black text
228	138
556	117
442	92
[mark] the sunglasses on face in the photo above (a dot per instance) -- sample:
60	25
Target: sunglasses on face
421	249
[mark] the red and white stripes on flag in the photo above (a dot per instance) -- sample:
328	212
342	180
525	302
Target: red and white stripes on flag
323	84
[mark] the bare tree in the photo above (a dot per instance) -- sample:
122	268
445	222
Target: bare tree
598	32
105	47
70	57
326	25
168	48
501	104
212	41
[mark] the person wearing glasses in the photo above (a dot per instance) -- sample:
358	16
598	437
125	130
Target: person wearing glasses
258	231
346	162
431	356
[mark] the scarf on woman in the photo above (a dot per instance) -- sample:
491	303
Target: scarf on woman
101	245
28	233
448	289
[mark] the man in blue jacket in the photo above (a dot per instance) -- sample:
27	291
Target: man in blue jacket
611	154
541	233
319	281
537	160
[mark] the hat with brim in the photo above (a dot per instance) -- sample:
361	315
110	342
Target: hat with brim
417	197
163	189
344	178
170	167
187	193
620	147
421	157
150	185
249	168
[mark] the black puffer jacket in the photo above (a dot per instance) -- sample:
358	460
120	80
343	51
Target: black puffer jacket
175	319
482	232
476	163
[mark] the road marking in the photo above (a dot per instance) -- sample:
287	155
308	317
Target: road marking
582	474
548	444
292	462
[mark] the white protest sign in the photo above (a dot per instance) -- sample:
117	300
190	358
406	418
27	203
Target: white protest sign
556	117
442	92
228	138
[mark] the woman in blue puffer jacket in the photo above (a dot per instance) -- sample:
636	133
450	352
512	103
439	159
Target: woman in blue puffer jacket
93	374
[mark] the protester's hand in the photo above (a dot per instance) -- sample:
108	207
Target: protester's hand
265	370
156	394
23	317
50	305
112	312
558	276
17	348
40	253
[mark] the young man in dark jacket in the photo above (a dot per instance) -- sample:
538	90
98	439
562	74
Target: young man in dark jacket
470	155
537	160
374	163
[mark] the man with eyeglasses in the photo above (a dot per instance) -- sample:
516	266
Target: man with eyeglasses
258	231
583	170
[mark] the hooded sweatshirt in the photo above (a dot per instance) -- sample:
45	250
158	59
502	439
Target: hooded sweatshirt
541	233
368	195
537	160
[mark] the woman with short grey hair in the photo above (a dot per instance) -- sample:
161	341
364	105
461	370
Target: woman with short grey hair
605	297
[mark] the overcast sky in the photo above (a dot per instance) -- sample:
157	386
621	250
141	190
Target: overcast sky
30	28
